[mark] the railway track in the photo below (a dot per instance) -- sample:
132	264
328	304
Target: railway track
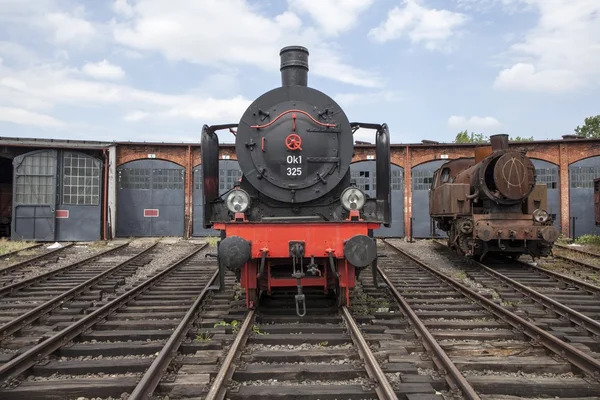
27	262
579	263
106	352
323	355
73	288
492	349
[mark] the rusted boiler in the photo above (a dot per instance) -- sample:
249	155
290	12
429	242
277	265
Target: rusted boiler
491	203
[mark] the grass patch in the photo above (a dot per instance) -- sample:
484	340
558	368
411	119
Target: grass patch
212	240
7	246
593	240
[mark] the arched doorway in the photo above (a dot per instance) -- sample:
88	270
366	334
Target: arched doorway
581	196
57	196
150	198
364	174
548	173
229	174
422	225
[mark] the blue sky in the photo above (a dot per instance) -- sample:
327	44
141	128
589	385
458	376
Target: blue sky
157	70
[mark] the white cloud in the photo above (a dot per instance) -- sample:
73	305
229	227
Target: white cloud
429	26
473	123
123	8
103	70
561	53
24	117
135	116
46	86
346	13
350	99
68	28
194	32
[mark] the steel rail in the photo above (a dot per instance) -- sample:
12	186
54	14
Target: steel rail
584	362
455	379
153	375
29	358
219	386
577	262
564	278
383	389
14	266
588	253
32	315
9	289
11	253
574	316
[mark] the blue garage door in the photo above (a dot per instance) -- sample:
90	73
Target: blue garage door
548	173
150	199
581	196
422	224
57	196
229	175
364	174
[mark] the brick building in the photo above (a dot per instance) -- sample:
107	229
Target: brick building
154	189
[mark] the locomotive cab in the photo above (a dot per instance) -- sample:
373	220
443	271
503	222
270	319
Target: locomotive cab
295	219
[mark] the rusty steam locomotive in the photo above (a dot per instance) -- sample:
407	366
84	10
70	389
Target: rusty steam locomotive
491	203
296	219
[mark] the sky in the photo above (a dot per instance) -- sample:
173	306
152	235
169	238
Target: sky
157	70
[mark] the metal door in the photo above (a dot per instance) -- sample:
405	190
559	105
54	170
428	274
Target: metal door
364	174
422	224
547	173
79	209
34	196
150	199
229	175
581	196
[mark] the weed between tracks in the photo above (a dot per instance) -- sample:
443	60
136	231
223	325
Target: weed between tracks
7	246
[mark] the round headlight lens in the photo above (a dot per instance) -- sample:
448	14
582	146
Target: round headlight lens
238	201
353	199
540	215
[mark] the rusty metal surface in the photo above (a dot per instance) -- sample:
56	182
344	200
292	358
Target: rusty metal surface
384	389
513	174
510	227
219	385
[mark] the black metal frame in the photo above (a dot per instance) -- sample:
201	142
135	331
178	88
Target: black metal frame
383	174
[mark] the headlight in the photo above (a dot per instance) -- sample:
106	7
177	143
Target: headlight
540	215
238	201
353	199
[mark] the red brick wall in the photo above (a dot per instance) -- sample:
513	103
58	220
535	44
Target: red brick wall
561	153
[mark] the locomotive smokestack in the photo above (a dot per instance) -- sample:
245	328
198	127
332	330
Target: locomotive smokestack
499	142
294	66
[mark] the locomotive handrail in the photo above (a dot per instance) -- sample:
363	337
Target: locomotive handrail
214	128
294	111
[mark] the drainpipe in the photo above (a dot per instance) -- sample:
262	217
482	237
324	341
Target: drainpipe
105	190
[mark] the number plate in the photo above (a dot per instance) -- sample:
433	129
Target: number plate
294	166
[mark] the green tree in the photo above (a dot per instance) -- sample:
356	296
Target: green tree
465	137
590	128
522	139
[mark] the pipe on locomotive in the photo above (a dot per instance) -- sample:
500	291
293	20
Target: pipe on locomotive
294	66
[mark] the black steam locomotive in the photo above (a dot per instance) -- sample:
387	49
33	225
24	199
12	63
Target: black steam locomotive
296	218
